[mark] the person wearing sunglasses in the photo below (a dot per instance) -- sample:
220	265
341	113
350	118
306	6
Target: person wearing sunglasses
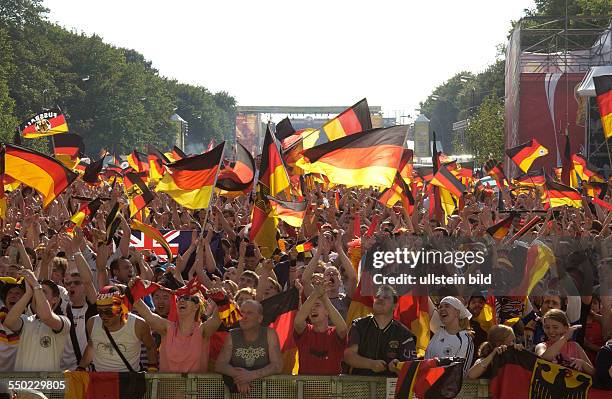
184	343
128	333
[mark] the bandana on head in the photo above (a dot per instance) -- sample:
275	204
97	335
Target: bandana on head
115	300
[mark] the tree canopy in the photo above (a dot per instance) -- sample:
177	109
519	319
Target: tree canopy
113	97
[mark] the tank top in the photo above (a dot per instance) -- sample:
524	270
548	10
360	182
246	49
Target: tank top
250	355
105	357
179	353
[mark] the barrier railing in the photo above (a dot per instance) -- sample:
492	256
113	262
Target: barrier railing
210	386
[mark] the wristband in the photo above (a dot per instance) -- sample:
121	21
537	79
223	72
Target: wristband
37	287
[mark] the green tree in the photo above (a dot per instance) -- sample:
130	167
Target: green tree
485	130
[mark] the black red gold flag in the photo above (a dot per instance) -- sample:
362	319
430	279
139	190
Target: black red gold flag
429	379
45	123
560	195
156	161
405	167
104	385
178	154
445	179
284	129
68	144
39	171
279	312
568	176
522	374
92	172
399	191
413	312
585	170
525	154
138	161
532	178
369	158
496	171
86	212
501	229
190	181
603	89
273	179
272	172
352	120
112	222
289	212
239	176
137	192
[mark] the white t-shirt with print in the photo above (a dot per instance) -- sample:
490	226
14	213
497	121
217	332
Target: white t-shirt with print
41	348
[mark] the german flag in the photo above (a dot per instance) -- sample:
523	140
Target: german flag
307	245
584	170
138	161
156	160
464	170
68	144
107	385
137	192
559	195
241	173
501	229
603	89
92	172
112	222
86	212
495	170
399	191
178	154
429	378
532	178
279	312
405	167
445	179
291	213
353	120
524	154
41	172
190	181
284	129
567	173
369	158
272	171
46	123
522	374
413	312
425	173
154	234
273	179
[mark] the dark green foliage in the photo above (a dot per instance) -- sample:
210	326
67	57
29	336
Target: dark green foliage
112	97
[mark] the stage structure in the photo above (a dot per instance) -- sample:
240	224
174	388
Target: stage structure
546	61
251	121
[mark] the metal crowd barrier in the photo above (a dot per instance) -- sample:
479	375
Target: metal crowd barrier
210	386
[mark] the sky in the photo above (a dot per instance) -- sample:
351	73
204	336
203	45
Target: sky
304	52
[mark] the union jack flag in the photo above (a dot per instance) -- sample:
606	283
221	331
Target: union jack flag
179	241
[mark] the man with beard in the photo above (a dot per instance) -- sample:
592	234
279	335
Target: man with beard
377	342
10	293
127	330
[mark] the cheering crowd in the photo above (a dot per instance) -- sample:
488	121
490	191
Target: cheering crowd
68	298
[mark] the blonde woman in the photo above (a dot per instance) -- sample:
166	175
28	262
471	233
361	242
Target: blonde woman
499	338
454	337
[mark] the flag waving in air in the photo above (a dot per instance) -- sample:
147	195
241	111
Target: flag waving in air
603	89
137	192
523	155
46	123
369	158
190	181
39	171
86	212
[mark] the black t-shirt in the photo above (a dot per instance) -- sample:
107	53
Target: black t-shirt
394	341
603	362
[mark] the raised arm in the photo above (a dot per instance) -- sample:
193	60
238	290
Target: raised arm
299	324
157	323
43	309
13	318
210	326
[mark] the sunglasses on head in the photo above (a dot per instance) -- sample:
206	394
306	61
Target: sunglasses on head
106	312
193	299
